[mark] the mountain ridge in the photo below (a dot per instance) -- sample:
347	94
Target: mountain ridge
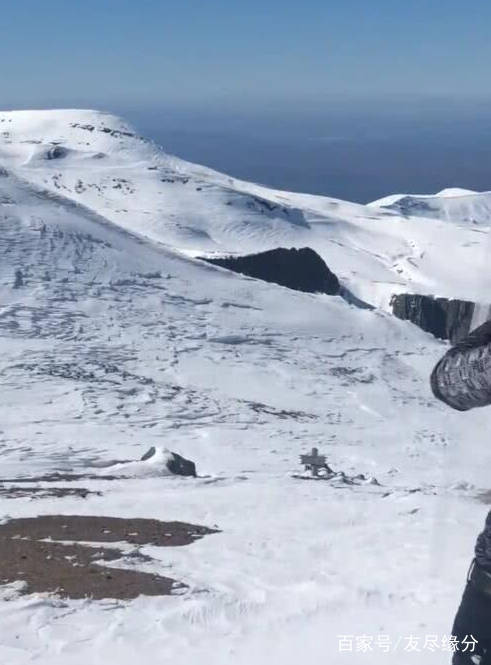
196	210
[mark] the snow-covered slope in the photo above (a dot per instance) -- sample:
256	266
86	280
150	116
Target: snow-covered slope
98	160
462	206
114	338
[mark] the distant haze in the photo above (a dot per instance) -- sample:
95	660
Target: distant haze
354	99
353	150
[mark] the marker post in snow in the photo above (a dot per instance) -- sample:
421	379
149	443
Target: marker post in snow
313	462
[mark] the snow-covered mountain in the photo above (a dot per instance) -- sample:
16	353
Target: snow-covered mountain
97	160
462	206
115	337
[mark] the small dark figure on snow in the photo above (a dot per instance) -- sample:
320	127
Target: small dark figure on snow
19	279
462	379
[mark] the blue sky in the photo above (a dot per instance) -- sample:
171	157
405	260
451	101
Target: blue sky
240	52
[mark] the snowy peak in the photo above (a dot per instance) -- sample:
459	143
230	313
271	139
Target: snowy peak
60	125
461	206
98	161
32	135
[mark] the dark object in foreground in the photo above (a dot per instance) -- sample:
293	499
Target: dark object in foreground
462	379
78	571
473	619
298	269
442	317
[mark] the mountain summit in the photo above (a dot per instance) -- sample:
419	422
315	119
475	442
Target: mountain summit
97	160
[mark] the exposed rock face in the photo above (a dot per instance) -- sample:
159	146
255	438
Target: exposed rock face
175	463
350	298
444	318
298	269
58	152
181	466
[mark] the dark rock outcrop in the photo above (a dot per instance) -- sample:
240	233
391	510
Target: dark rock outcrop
178	465
444	318
351	299
181	466
298	269
58	152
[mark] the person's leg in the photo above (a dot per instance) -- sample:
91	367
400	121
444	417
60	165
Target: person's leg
473	619
464	659
486	659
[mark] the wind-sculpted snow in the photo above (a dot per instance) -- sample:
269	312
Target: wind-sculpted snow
113	340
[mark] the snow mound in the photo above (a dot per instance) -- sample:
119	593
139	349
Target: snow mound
448	192
452	205
455	191
156	462
155	465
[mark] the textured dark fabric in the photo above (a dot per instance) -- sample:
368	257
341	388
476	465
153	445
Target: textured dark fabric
473	618
466	659
462	378
483	546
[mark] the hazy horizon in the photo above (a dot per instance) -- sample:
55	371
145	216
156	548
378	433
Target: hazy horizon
353	99
348	147
344	150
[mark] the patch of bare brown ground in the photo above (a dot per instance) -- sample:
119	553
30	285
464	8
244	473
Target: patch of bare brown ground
79	570
57	477
45	492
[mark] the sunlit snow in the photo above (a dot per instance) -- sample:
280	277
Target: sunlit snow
115	338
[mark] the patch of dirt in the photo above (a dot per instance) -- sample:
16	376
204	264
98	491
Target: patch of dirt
58	477
300	416
45	492
29	553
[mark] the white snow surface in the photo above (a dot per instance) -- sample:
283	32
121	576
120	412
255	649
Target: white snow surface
452	205
154	466
114	338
